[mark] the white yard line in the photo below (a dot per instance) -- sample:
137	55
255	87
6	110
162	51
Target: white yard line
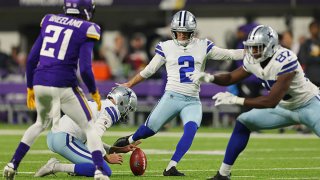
205	152
178	134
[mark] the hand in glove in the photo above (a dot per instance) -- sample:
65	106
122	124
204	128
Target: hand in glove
31	104
97	98
227	98
201	77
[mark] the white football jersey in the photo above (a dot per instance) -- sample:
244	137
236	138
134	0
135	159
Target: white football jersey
103	119
283	61
181	62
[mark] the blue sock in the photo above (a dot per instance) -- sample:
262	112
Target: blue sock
142	133
21	151
84	169
238	141
185	142
100	163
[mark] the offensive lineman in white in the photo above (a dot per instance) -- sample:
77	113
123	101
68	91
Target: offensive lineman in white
68	139
182	56
292	98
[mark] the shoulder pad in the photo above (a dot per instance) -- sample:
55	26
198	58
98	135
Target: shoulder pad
93	32
47	15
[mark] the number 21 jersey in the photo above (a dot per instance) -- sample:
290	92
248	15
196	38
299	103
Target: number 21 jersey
63	37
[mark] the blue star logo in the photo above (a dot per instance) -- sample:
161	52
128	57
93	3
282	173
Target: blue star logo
129	93
270	35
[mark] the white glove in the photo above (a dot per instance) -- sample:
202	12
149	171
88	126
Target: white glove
227	98
201	77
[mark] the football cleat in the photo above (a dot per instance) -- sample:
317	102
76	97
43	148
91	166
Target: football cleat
98	175
123	141
47	169
172	172
9	172
218	176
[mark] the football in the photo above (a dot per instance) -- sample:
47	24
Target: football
138	162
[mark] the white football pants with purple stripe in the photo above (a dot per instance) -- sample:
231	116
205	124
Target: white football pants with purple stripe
49	102
69	147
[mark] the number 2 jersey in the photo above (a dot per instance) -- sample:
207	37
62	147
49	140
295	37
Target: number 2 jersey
182	61
63	42
284	61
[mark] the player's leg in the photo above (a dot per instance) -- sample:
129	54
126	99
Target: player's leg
309	115
256	119
81	114
191	116
164	111
44	99
73	150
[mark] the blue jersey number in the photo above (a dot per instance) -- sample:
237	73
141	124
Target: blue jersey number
282	56
189	60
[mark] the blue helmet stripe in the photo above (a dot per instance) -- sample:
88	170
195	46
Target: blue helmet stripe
180	17
184	18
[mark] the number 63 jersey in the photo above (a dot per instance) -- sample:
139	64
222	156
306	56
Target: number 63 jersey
63	39
284	61
182	61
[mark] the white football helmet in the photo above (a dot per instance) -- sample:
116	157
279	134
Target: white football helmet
261	44
125	99
183	21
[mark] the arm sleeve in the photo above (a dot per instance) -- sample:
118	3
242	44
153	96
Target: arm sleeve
156	62
86	67
32	61
217	53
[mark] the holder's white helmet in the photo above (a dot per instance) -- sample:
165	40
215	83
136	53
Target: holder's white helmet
261	44
125	99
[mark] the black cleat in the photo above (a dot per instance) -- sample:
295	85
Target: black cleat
172	172
218	176
123	141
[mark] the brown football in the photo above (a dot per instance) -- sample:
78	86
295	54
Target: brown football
138	162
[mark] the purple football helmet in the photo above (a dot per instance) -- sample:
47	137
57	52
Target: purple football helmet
84	8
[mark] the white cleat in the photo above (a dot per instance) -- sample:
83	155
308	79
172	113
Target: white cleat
98	175
47	169
9	172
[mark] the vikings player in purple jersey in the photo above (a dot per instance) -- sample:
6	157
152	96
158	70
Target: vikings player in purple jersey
65	40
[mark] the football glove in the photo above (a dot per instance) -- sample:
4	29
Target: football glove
97	98
201	77
31	104
227	98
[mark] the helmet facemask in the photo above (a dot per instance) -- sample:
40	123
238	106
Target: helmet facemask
182	42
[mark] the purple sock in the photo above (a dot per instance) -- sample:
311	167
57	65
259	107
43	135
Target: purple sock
100	163
21	151
84	169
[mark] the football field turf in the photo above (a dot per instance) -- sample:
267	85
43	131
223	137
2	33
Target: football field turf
268	156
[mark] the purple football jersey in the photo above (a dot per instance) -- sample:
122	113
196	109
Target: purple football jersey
62	38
